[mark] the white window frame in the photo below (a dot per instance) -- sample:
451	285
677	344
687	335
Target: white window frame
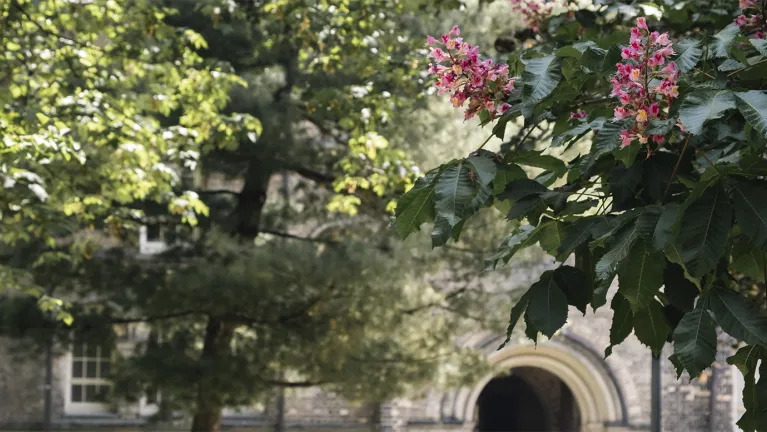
76	408
150	247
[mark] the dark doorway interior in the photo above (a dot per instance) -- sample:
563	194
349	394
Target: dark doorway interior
528	400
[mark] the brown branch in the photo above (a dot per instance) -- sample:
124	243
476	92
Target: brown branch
311	174
155	317
295	237
450	295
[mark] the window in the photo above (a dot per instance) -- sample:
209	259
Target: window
90	374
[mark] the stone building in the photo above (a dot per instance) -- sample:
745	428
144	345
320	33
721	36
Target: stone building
562	384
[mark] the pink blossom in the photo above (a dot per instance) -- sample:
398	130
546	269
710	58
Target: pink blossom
647	53
626	138
460	72
578	115
658	139
741	21
430	40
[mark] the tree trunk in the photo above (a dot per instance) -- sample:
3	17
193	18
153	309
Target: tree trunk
218	336
220	332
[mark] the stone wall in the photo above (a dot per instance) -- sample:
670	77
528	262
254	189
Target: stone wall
22	383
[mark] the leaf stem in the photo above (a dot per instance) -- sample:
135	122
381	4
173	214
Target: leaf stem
485	142
747	68
678	162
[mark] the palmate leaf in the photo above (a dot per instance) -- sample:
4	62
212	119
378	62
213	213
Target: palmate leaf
650	326
748	260
537	159
623	322
640	275
664	229
721	46
695	341
547	310
750	205
689	52
753	105
739	317
760	45
755	400
703	235
541	76
417	205
453	193
574	283
746	357
484	167
516	313
680	292
703	105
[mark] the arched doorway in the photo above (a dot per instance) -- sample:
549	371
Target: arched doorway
528	399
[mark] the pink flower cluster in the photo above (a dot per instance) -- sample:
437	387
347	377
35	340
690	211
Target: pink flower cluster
535	11
750	21
645	62
484	85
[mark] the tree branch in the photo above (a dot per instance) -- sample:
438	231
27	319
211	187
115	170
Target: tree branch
155	317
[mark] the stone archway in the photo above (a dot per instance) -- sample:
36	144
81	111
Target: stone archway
597	398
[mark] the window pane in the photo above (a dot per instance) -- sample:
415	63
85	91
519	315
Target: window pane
103	393
92	350
78	351
104	372
90	369
90	393
77	369
77	393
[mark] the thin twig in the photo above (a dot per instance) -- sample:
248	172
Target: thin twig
485	142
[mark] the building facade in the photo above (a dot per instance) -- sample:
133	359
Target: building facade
563	384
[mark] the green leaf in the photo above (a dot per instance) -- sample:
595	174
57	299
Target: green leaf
664	229
753	105
745	358
703	235
521	188
739	317
760	45
748	260
547	310
601	61
607	140
484	167
627	154
650	326
576	234
640	275
695	341
454	193
540	77
618	251
537	159
442	232
600	291
703	105
723	41
689	52
674	255
680	292
575	285
568	51
525	236
755	400
417	205
623	322
660	127
504	175
750	204
514	315
551	237
678	367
